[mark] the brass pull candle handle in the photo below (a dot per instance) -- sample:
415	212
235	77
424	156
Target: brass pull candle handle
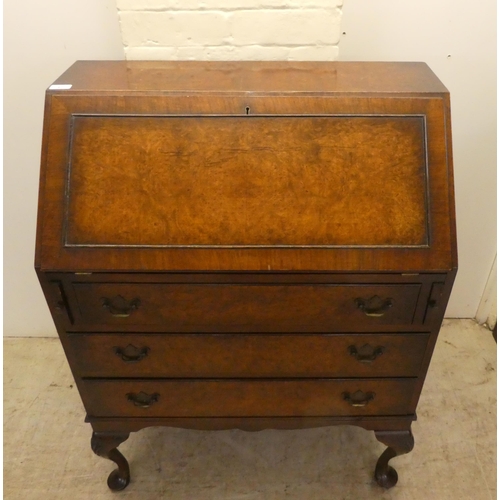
359	398
131	354
143	400
374	306
120	307
366	353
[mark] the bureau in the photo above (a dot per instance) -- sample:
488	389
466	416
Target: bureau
247	245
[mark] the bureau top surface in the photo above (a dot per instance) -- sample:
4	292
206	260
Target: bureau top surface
251	76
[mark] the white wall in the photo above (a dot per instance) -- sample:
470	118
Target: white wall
41	39
487	310
458	41
296	30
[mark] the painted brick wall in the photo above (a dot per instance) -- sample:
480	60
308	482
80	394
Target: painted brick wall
230	29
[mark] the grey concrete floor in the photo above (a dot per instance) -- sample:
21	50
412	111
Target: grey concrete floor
47	453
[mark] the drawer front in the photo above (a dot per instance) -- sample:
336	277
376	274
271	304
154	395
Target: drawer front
244	308
263	398
243	355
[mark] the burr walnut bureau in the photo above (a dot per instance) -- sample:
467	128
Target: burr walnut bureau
247	245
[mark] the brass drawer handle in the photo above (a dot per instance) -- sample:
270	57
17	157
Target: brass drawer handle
120	307
131	354
374	306
359	398
366	353
143	400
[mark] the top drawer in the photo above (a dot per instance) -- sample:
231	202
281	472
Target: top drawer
242	307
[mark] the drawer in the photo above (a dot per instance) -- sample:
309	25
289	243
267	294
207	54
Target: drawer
251	398
243	307
248	355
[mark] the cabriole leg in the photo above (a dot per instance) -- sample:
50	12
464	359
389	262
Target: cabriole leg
105	444
399	443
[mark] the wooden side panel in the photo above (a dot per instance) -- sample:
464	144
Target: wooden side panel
247	181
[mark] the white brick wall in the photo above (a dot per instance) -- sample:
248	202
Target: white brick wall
230	29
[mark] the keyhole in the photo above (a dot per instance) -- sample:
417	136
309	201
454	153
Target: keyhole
247	109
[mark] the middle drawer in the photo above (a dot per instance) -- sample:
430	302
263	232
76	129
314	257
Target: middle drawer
248	355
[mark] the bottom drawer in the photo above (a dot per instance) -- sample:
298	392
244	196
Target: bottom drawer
247	398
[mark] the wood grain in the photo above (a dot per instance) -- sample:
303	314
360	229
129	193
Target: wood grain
257	76
248	181
437	256
244	308
278	398
248	355
263	244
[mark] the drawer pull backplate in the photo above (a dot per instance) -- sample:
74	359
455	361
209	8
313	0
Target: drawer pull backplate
131	354
143	400
358	398
374	306
119	307
366	353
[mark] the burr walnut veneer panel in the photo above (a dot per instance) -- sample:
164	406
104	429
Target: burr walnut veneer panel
206	181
